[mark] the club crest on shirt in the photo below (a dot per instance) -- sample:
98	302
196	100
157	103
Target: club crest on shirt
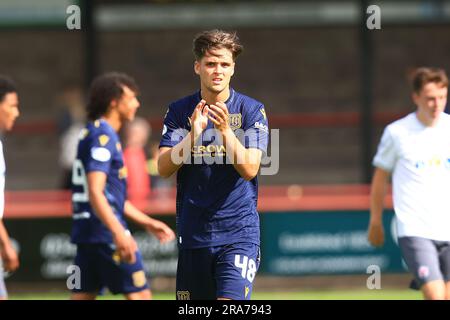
103	139
235	120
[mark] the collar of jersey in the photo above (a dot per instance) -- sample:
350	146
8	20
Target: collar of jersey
229	100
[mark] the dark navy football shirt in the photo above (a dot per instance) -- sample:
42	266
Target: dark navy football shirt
215	205
99	149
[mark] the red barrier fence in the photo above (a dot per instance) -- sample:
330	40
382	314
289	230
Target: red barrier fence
51	203
284	120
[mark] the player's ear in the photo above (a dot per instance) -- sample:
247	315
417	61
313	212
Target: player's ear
113	104
197	67
415	97
232	68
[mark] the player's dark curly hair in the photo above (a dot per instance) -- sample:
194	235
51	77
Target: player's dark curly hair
106	88
419	77
6	86
216	39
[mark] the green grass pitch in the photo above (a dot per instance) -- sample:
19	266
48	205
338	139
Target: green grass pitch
382	294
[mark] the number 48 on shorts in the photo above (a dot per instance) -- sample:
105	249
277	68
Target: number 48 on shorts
247	266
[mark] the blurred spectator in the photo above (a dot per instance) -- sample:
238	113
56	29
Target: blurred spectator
70	122
137	133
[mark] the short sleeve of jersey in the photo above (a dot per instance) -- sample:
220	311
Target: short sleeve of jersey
386	155
256	129
172	132
98	153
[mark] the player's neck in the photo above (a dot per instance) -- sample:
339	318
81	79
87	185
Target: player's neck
213	97
113	120
425	120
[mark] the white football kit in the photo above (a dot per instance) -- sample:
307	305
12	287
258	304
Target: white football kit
419	159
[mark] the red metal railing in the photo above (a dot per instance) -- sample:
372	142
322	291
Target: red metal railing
51	203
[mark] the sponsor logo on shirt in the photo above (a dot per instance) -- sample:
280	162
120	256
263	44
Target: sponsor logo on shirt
100	154
434	162
209	150
261	126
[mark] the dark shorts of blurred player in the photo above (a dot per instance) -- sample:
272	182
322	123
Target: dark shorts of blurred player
100	267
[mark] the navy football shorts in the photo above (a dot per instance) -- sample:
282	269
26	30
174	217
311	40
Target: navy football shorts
217	272
100	267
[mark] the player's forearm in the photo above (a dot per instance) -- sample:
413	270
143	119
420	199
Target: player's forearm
105	213
244	160
166	167
377	194
248	171
376	209
4	237
171	159
135	215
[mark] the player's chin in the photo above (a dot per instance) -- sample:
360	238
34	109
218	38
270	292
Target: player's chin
436	114
217	88
131	117
9	126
